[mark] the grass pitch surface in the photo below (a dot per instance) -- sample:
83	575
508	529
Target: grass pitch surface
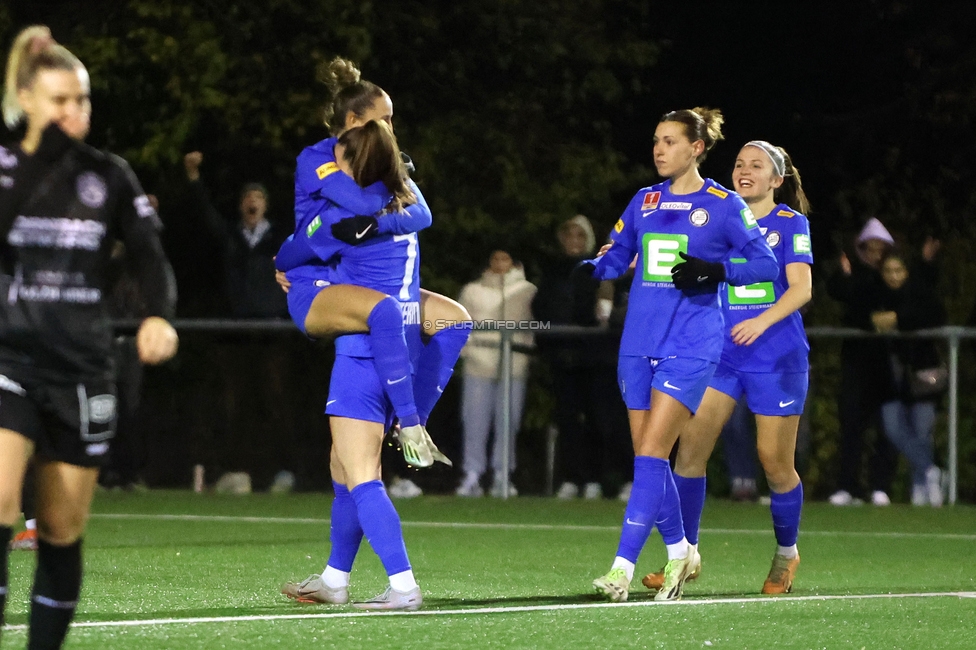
179	570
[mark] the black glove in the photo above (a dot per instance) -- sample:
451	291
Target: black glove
355	230
696	273
583	269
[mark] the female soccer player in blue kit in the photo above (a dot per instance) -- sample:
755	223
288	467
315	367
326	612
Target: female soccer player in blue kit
681	230
765	357
359	408
347	308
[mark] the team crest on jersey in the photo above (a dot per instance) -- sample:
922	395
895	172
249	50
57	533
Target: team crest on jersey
773	238
698	217
717	192
91	189
785	213
651	199
7	159
324	170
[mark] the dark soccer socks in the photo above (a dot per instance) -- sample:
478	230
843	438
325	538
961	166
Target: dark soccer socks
57	585
6	532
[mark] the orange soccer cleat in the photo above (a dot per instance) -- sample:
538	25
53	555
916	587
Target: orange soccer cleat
781	574
25	540
655	581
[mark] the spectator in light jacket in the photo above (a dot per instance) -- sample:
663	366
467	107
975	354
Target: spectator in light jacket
501	294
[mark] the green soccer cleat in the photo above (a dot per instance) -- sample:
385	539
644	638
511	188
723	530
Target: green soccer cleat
677	573
615	586
413	444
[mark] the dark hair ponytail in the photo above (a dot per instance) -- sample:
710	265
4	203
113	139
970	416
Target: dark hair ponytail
791	191
373	154
701	123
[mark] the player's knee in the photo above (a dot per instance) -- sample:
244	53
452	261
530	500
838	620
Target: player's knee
61	528
9	508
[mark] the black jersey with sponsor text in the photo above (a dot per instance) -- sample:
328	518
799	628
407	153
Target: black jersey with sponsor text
62	210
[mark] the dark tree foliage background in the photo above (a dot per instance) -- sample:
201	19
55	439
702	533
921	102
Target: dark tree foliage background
520	114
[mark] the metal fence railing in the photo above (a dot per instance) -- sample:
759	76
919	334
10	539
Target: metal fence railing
951	335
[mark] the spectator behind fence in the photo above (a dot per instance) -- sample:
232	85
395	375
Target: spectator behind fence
254	369
911	302
589	412
249	246
501	294
864	379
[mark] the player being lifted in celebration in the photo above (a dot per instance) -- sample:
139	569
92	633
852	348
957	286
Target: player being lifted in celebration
63	206
681	231
346	308
358	404
765	357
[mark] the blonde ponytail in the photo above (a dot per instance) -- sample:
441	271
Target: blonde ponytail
33	50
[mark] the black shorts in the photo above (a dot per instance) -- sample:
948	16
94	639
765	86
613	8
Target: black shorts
68	421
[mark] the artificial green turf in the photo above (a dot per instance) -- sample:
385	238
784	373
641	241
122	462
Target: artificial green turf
145	568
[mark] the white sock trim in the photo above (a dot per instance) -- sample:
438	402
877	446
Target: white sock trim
787	551
625	564
403	581
334	578
678	551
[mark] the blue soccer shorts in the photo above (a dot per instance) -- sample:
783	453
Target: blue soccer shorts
685	379
767	393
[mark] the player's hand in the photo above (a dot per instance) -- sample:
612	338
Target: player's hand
282	281
355	230
746	332
156	341
603	250
695	272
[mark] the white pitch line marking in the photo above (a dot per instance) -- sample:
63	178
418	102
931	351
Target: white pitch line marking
502	526
504	610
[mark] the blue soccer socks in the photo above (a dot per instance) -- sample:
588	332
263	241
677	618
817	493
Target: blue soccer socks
436	365
785	509
381	524
345	533
691	493
391	358
644	505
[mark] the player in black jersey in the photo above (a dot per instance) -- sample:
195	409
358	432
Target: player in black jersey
63	205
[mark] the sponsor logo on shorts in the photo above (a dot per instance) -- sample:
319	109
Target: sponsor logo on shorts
668	384
783	405
97	449
101	409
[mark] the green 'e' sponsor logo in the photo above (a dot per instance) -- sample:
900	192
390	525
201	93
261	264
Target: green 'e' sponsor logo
801	244
661	254
312	227
760	293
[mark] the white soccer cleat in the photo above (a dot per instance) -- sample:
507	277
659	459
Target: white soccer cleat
677	573
392	599
313	590
615	586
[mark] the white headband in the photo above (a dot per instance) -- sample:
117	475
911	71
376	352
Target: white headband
779	162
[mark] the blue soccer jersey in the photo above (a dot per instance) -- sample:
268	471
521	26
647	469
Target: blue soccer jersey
319	181
657	225
783	347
